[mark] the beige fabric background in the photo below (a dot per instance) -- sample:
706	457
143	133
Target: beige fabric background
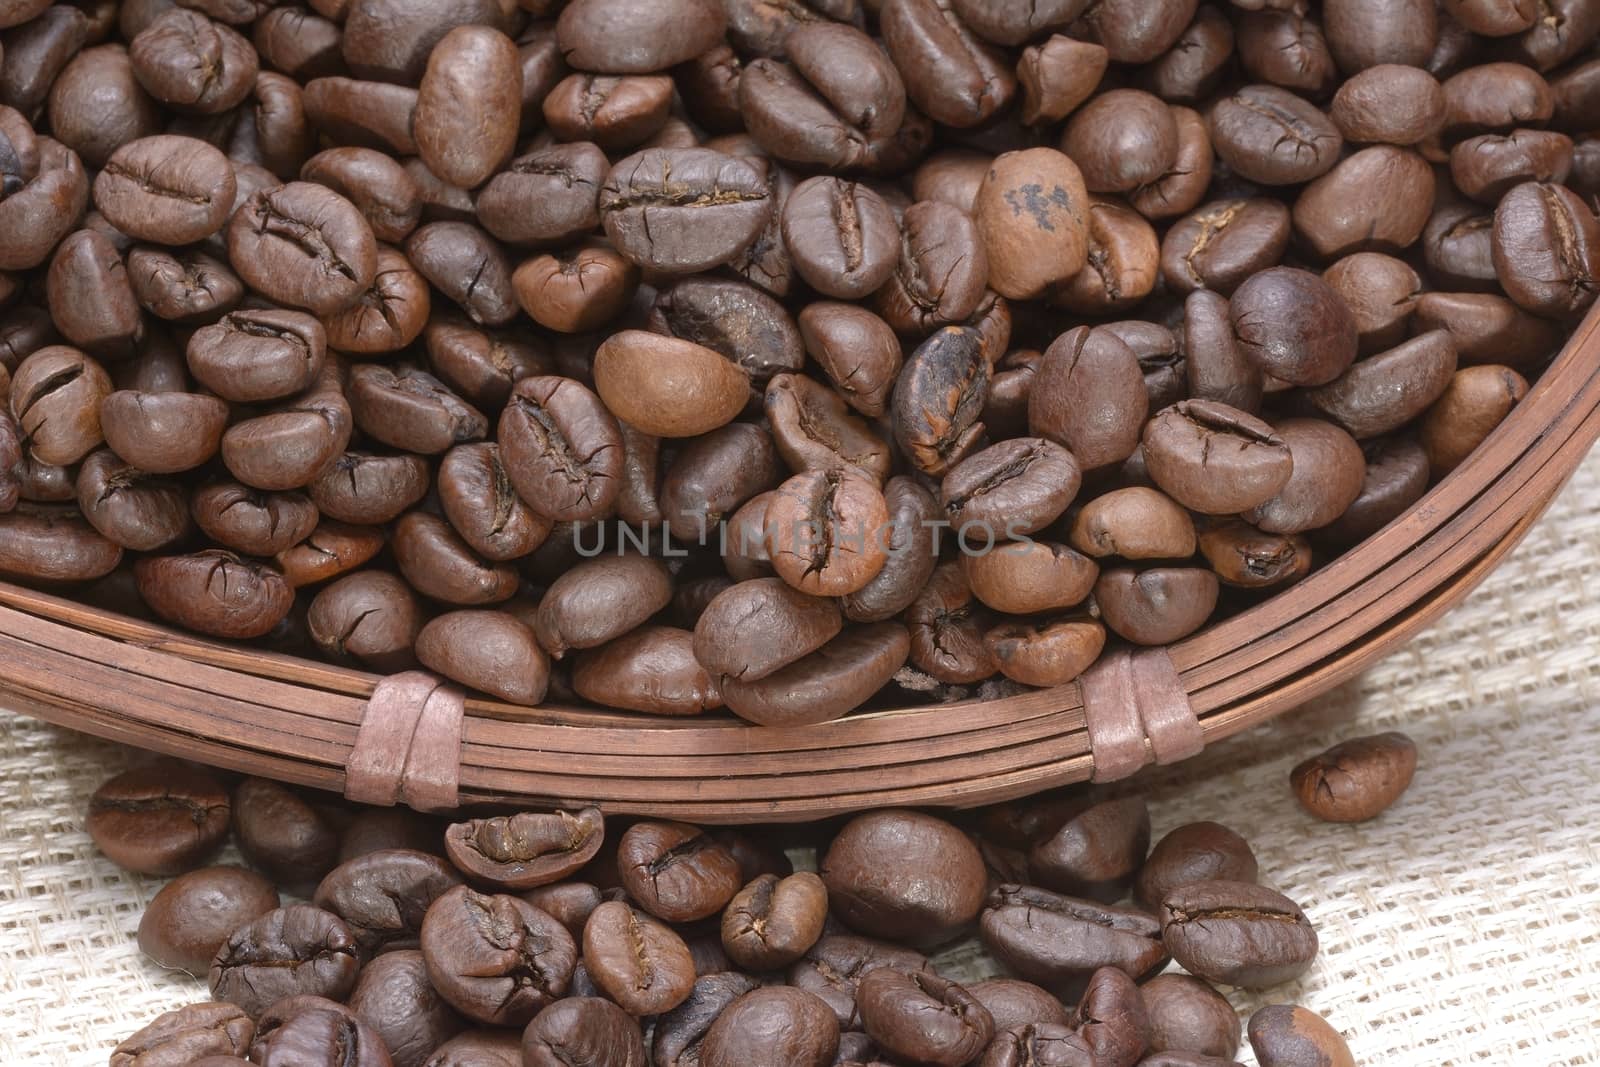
1462	927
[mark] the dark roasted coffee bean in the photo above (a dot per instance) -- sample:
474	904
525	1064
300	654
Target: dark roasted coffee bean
637	37
1156	606
561	449
1194	852
1012	488
333	548
56	395
188	920
1389	104
1188	1016
1364	33
1237	933
1014	1003
1223	243
1546	245
478	499
1096	853
841	236
1215	459
282	834
755	627
882	878
952	76
1495	97
193	64
1044	1044
1385	392
468	266
382	896
479	1048
215	592
1294	326
163	433
370	615
96	104
911	555
777	1024
409	409
1059	942
1124	261
130	507
525	850
254	355
1474	403
469	105
439	564
1381	292
834	966
923	1018
369	490
639	962
814	431
321	1032
825	531
90	296
1485	167
666	386
1377	199
736	320
1089	395
365	114
571	293
1357	779
1327	477
1048	653
251	522
162	818
1488	328
835	679
303	245
482	366
1274	137
600	599
676	872
1134	31
1284	1035
375	183
651	669
185	285
1032	213
495	959
773	921
1122	139
703	208
1112	1020
1249	558
185	1035
943	269
1396	477
1057	75
54	545
295	949
616	113
939	397
947	629
585	1030
680	1033
388	315
1215	365
393	996
856	349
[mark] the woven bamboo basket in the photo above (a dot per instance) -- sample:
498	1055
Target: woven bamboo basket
299	721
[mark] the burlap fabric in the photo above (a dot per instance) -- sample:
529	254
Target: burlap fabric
1461	927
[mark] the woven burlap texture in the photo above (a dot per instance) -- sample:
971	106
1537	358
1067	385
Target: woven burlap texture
1461	927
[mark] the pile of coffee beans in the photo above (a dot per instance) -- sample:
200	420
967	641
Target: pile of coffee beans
776	355
369	937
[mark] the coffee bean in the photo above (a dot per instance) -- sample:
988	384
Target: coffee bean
187	921
772	922
90	297
1135	32
841	236
1487	328
756	627
1476	401
1223	243
835	679
651	669
583	1030
738	321
1100	374
316	1031
526	850
561	448
1057	76
923	1017
185	285
487	650
1096	853
393	996
1048	653
383	895
495	959
1032	214
1285	1035
1156	606
941	274
466	265
192	63
215	592
170	190
616	113
1181	448
703	208
668	387
303	245
1546	246
835	965
1133	523
372	616
437	563
814	431
1237	933
186	1035
369	490
947	629
254	355
1027	577
1045	1044
1380	394
599	600
772	1025
950	75
680	1033
1377	199
637	961
1390	104
676	872
389	315
1274	137
1248	558
1059	942
1328	472
468	105
1188	1016
1356	780
294	949
1014	1003
282	834
1492	18
56	394
881	877
825	531
1193	852
856	349
130	507
1122	139
54	545
1294	326
634	37
162	818
409	409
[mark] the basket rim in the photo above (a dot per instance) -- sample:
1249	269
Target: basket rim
295	719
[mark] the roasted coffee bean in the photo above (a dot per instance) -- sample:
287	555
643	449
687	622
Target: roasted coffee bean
651	669
1377	199
1294	326
389	315
375	183
193	64
835	679
478	499
393	996
1546	246
1181	188
479	1048
773	921
1045	1044
54	545
668	387
316	1031
1476	401
383	895
1487	328
824	531
938	398
188	920
282	834
253	355
525	850
96	104
1215	459
703	208
409	409
251	522
813	430
495	959
1237	933
680	1033
1357	779
162	818
942	272
1048	653
777	1024
1096	853
369	490
1381	394
1485	167
372	616
1188	1016
163	433
1363	33
561	449
56	394
130	507
1058	75
303	245
923	1017
1396	477
1389	104
332	549
1112	1020
365	114
185	285
856	349
951	76
1381	293
638	962
634	37
712	477
1223	243
469	105
576	292
1014	1003
842	237
466	265
1059	942
1136	32
1133	523
881	877
215	592
736	320
1122	139
676	872
1156	606
583	1030
947	629
294	949
838	103
187	1035
754	628
1328	472
1194	852
90	296
1010	489
482	366
600	599
1032	213
616	113
1274	137
834	966
911	551
1284	1035
1249	558
1124	261
1088	395
1495	97
437	563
